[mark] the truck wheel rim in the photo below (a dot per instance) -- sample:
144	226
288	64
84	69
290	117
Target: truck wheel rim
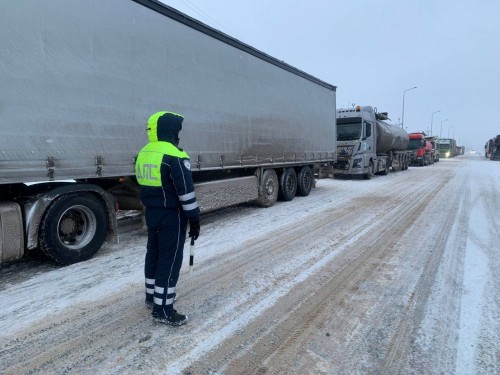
76	227
307	180
290	184
270	187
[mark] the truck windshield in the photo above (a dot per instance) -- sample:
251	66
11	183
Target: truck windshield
415	144
444	144
348	129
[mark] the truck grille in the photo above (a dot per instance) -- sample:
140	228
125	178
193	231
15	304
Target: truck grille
345	150
342	164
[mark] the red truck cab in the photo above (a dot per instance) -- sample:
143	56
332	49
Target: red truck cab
423	152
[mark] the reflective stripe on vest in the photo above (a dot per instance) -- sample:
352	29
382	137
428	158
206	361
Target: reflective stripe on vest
148	164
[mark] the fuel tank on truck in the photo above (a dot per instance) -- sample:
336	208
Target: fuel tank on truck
391	138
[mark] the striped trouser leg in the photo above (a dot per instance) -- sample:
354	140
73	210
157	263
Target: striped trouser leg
151	263
164	299
150	289
171	239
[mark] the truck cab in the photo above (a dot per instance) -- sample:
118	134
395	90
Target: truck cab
488	148
447	147
495	148
423	152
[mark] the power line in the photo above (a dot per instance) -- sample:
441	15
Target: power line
198	10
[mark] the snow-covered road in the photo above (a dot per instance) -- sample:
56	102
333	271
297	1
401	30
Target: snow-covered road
395	275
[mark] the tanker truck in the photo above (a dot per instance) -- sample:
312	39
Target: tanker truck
422	149
80	79
367	145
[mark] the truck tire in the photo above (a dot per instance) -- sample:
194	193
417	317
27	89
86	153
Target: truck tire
73	228
304	181
368	176
386	170
402	162
268	189
288	185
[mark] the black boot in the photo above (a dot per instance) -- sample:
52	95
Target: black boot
168	316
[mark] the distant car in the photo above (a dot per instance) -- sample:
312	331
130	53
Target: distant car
473	152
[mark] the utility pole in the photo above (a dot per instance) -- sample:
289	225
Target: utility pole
403	112
432	119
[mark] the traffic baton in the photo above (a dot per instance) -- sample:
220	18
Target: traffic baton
191	255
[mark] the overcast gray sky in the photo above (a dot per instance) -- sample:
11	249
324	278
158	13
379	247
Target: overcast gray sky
375	50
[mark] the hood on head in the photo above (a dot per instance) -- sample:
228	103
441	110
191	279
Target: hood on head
165	126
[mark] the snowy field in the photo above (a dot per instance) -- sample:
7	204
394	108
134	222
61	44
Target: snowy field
395	275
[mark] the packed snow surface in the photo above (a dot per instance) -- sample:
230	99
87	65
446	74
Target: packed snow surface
397	274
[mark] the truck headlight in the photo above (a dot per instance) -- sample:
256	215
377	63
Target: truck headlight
355	162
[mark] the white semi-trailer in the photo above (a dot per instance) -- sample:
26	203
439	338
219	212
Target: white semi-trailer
80	78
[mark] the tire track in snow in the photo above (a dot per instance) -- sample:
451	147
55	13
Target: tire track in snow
303	318
396	356
117	335
82	334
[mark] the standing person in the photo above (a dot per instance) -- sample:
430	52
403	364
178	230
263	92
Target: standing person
163	171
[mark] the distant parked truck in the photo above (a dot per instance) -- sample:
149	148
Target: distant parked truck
447	147
367	145
422	151
488	148
79	80
495	148
434	142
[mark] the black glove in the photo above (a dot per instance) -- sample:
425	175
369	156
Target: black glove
194	228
